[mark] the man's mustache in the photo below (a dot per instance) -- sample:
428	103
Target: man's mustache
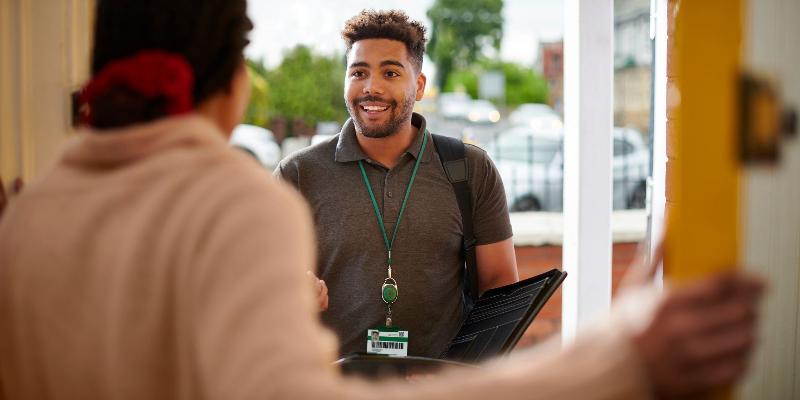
375	99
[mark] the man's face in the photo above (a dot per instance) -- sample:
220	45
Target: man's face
381	86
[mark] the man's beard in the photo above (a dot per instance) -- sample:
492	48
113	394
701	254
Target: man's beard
399	114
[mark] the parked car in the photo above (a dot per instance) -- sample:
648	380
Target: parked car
325	131
259	143
482	112
453	105
530	164
321	137
537	116
426	106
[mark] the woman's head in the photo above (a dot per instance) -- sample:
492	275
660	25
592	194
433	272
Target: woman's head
209	34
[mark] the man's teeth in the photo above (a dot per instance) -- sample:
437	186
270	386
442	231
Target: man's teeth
375	108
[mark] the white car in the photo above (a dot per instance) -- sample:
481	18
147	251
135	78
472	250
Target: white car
482	112
259	143
453	105
325	131
537	116
319	138
530	164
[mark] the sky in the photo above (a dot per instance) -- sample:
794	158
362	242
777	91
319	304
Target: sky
280	26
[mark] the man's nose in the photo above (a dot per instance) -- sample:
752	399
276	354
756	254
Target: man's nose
372	86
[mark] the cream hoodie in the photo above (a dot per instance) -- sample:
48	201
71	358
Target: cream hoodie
154	262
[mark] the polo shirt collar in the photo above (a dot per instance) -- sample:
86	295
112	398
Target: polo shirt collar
348	149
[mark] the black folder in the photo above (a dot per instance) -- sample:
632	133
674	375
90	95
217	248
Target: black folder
493	327
500	317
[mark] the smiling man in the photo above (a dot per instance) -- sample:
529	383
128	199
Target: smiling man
387	219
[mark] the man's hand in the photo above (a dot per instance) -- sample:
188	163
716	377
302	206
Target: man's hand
701	336
321	290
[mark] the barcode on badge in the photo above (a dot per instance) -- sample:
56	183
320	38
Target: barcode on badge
388	345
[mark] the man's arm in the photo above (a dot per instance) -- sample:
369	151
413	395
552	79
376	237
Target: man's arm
287	172
494	252
497	264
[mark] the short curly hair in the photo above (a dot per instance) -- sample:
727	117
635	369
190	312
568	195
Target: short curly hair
391	24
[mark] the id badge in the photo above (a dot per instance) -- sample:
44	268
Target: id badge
387	341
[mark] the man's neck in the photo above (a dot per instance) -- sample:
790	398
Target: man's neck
388	150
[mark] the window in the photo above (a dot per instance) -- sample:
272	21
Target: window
622	148
523	147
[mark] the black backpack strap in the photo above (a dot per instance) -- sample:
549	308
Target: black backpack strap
451	152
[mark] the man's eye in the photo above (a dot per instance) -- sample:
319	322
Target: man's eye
357	74
392	74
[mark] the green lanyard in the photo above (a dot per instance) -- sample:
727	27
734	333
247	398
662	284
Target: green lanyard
389	289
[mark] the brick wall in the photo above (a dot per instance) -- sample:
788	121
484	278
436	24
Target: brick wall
532	261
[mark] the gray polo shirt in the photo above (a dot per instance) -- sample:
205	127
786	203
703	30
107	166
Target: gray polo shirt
427	260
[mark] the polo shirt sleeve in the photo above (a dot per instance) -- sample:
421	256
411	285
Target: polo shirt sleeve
287	171
490	210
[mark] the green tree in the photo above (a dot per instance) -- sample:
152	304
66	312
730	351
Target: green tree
258	110
463	80
308	87
460	33
523	84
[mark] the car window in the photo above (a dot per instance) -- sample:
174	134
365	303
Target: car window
525	148
622	148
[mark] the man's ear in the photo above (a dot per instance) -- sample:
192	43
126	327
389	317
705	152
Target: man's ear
422	80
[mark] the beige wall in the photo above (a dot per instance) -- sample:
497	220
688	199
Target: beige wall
772	214
44	55
632	97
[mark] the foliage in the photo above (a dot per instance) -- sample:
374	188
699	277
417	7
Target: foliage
523	84
463	80
460	33
308	87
